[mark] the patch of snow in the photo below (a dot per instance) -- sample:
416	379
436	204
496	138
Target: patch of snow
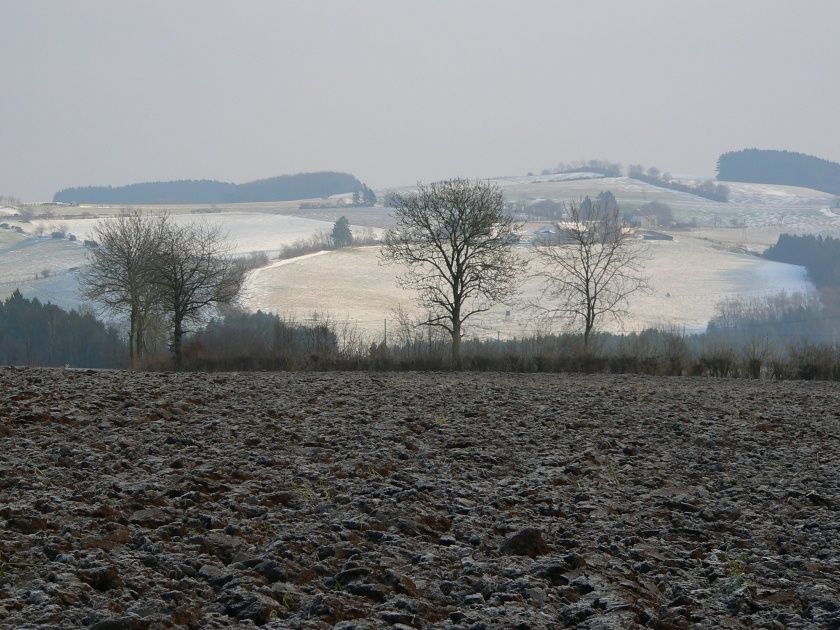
689	277
515	180
246	231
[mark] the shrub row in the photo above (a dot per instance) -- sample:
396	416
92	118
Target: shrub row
262	341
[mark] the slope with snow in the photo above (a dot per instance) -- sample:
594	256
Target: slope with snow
688	277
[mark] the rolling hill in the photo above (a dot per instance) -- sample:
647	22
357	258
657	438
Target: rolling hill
282	188
761	166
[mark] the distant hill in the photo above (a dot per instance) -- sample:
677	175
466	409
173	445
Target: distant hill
282	188
762	166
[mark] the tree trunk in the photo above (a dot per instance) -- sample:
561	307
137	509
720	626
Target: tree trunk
587	333
139	334
132	334
589	323
456	345
177	337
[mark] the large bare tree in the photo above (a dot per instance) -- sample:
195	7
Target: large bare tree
121	270
194	272
456	243
591	265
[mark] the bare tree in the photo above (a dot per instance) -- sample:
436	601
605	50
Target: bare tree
121	270
456	242
194	272
756	348
590	267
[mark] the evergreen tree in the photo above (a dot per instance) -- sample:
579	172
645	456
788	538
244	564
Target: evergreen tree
586	209
607	201
369	197
341	235
762	166
820	255
32	333
283	188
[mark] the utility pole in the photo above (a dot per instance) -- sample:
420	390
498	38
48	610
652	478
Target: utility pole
386	332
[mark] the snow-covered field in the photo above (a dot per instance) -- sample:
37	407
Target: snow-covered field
519	180
799	209
688	277
247	232
696	270
23	259
8	238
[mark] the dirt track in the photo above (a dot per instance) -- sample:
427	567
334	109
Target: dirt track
416	501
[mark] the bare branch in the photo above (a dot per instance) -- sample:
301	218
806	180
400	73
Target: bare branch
456	244
119	276
194	272
590	267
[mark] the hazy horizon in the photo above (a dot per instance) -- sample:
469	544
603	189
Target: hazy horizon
98	93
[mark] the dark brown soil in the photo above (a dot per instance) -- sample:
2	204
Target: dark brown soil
132	500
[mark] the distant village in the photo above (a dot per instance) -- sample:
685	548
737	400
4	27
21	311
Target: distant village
542	219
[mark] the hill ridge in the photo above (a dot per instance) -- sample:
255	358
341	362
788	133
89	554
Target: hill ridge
279	188
781	167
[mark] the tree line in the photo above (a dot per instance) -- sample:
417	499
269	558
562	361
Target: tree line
601	167
282	188
364	197
773	337
780	337
820	255
652	175
237	340
763	166
32	333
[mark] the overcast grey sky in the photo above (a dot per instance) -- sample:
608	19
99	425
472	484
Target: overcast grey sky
104	92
